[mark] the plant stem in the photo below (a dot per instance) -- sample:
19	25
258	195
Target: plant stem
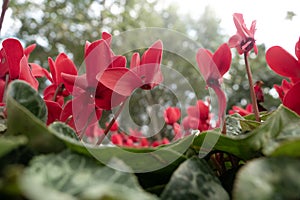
252	92
113	120
58	89
86	125
5	87
4	8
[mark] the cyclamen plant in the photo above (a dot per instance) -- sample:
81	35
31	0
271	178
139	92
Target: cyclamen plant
73	103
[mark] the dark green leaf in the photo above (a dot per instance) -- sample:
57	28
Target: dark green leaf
233	125
281	127
269	178
194	179
64	130
138	159
25	95
9	143
22	121
72	176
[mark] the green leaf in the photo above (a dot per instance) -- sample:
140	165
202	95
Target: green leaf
25	120
9	143
238	125
282	126
233	126
268	178
25	95
194	179
72	176
138	159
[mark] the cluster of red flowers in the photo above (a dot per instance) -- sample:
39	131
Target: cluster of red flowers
107	83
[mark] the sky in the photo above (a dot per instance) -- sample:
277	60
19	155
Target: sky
272	26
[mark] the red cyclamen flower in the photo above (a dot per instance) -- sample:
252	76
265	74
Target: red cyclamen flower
144	73
212	68
243	40
98	58
172	115
62	64
283	63
14	62
198	117
241	111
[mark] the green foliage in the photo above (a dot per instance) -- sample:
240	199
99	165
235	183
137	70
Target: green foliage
71	176
26	112
268	178
58	175
282	126
9	143
138	159
194	179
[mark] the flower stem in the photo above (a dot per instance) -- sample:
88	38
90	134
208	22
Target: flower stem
5	87
86	125
112	121
59	88
4	8
252	93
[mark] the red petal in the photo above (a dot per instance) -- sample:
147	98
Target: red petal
135	60
234	41
13	53
203	110
26	75
153	54
118	61
172	115
121	80
106	99
83	112
38	71
206	65
282	62
239	23
297	50
49	93
107	37
72	81
98	58
54	111
29	49
222	103
63	65
52	69
292	100
222	58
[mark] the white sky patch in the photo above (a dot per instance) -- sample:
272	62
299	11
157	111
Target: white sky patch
272	27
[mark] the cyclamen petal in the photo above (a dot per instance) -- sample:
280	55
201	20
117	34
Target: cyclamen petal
292	100
222	58
26	75
282	62
11	55
54	111
121	80
297	50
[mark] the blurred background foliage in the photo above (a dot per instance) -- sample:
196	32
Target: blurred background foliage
64	26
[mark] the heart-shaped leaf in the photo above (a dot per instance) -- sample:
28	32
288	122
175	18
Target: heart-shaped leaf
268	178
138	159
72	176
194	179
25	112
